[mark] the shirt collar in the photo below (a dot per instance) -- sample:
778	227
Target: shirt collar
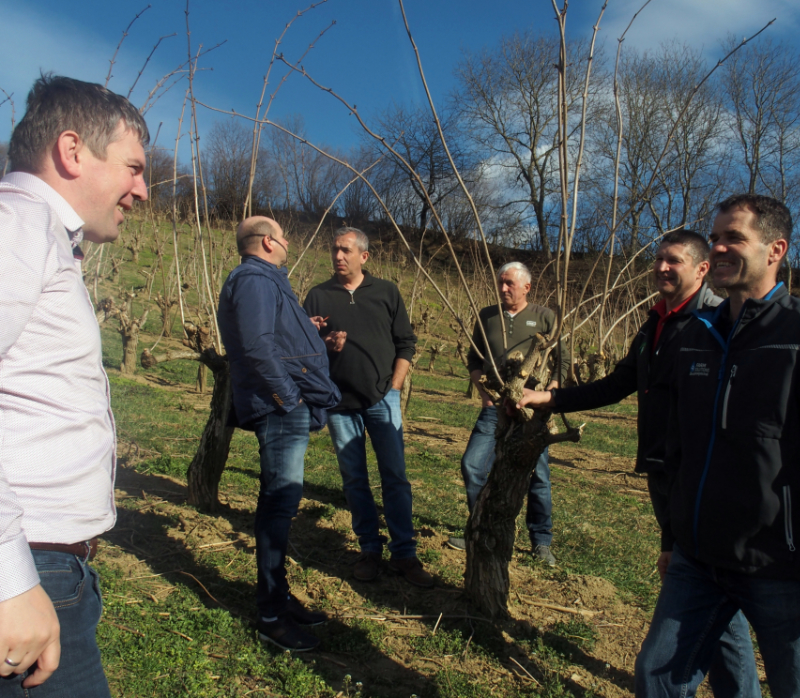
661	307
71	220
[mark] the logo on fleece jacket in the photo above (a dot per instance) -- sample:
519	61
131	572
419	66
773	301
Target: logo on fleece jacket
699	369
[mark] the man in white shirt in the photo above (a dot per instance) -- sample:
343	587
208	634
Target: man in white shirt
77	161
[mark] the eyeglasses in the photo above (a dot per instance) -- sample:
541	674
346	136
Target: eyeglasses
266	235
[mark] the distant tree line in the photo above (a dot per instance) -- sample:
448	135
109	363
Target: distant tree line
741	133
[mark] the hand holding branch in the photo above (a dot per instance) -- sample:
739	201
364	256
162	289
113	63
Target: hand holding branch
537	399
318	321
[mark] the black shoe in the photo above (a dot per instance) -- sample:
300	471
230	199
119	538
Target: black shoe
303	616
457	543
285	633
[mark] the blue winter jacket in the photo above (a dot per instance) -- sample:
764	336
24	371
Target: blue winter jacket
276	355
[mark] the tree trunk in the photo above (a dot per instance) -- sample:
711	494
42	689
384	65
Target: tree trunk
491	528
130	342
405	392
202	378
520	439
205	470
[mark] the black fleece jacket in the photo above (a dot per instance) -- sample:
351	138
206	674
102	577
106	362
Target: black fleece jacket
733	445
647	372
378	332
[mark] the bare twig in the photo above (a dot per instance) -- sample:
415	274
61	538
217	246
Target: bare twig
119	45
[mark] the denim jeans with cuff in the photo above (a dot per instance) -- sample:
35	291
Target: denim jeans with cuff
384	424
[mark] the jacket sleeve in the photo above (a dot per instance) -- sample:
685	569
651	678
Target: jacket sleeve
405	341
607	391
255	310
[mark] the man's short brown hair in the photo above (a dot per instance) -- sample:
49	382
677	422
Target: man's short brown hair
774	220
57	104
696	243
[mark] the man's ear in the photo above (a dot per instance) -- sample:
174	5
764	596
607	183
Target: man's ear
702	268
68	152
778	249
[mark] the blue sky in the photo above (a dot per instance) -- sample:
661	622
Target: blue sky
366	56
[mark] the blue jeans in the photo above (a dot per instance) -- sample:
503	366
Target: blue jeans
732	673
73	588
477	462
696	605
282	442
384	424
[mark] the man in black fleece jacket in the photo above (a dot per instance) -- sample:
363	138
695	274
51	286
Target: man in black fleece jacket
679	272
370	342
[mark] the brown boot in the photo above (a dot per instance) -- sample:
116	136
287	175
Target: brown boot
411	568
367	567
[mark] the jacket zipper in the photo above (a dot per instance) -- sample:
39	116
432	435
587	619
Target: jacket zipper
787	517
725	399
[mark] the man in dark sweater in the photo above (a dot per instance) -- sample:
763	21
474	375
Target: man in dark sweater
370	342
679	272
522	322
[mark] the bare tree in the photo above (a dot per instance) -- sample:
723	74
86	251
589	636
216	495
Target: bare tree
509	99
417	167
762	87
227	162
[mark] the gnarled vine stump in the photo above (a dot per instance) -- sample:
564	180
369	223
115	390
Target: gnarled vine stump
520	439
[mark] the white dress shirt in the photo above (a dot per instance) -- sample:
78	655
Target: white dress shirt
57	443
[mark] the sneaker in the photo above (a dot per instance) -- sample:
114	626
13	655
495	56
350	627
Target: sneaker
457	543
303	616
542	552
367	567
411	568
285	633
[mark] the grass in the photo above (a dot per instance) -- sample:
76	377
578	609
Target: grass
161	637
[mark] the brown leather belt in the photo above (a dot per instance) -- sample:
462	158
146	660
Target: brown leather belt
78	549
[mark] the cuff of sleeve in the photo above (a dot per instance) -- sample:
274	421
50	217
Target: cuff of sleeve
17	569
667	541
407	354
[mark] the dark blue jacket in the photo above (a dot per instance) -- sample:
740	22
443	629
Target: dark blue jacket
276	355
733	445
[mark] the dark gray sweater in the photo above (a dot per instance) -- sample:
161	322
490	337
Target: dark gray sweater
520	331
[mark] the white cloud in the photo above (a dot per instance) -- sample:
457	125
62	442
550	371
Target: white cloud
698	22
